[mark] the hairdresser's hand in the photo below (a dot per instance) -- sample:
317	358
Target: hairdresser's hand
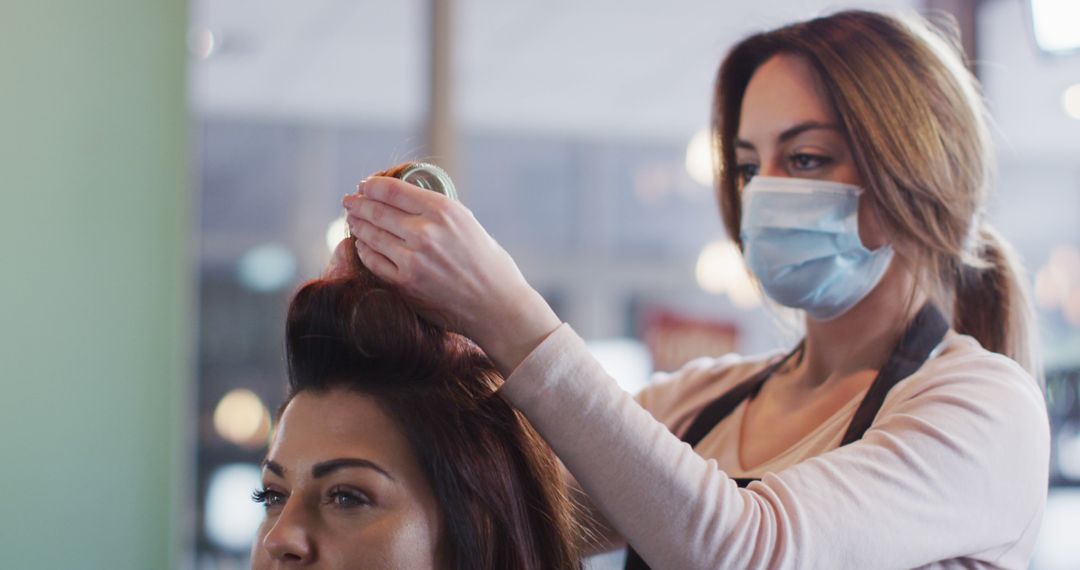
438	254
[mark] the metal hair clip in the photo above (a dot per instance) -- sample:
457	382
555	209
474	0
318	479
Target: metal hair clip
422	175
427	176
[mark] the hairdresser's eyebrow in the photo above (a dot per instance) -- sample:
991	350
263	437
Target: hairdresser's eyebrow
327	467
792	133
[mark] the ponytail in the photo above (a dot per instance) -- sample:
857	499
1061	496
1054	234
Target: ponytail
992	303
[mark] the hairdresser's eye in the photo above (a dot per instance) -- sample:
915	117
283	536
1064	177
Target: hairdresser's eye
268	498
746	172
803	161
346	498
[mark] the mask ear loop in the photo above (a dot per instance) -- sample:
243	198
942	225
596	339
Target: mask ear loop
875	211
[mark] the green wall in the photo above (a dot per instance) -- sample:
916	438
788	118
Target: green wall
95	283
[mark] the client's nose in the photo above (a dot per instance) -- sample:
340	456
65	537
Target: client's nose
289	539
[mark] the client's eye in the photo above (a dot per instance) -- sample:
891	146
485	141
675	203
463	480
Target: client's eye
346	498
268	498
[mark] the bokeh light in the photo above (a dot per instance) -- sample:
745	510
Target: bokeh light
266	268
626	360
1068	451
335	232
699	158
202	42
1057	284
241	418
720	270
231	517
1071	101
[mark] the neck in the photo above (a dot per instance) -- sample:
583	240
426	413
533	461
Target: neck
863	337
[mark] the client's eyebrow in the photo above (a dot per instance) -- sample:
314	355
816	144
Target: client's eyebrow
792	132
274	468
327	467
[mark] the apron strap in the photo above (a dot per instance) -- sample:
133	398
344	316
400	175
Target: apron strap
707	419
923	334
720	408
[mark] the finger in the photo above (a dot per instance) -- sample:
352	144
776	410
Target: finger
377	238
378	263
382	215
402	195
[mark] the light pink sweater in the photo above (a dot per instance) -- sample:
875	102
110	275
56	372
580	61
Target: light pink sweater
952	473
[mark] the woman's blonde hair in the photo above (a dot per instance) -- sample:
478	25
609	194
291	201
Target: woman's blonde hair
916	124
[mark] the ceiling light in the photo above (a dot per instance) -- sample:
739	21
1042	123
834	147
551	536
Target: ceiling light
1055	24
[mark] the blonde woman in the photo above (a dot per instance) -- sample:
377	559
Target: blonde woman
907	429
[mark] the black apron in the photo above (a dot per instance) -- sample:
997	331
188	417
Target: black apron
922	335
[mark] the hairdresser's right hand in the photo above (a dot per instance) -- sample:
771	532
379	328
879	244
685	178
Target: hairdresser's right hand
435	250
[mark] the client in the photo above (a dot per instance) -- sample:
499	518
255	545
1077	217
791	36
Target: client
393	449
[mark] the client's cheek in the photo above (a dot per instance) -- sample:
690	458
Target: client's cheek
260	558
398	538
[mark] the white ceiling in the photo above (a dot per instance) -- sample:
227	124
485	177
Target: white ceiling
622	68
1025	86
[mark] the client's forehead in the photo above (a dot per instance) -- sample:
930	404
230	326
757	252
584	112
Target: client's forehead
318	426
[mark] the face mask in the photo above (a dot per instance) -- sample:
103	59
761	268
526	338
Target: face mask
801	240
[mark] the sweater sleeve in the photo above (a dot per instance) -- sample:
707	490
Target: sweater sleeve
666	399
957	465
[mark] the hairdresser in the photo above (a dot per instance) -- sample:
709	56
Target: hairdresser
906	429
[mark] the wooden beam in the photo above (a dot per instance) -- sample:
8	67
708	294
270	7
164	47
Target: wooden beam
966	13
441	132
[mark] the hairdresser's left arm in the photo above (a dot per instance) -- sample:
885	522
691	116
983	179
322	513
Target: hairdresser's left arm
956	468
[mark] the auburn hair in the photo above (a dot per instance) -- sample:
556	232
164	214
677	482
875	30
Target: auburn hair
497	484
916	123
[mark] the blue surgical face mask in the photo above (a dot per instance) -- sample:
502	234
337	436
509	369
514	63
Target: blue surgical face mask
801	240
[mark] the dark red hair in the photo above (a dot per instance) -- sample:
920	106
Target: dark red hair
496	482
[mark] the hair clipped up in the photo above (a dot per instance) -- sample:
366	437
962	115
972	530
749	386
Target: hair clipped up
496	481
356	326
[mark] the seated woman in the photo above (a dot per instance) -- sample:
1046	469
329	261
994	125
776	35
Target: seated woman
394	451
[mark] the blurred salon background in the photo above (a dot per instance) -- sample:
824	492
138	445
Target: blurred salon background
172	171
